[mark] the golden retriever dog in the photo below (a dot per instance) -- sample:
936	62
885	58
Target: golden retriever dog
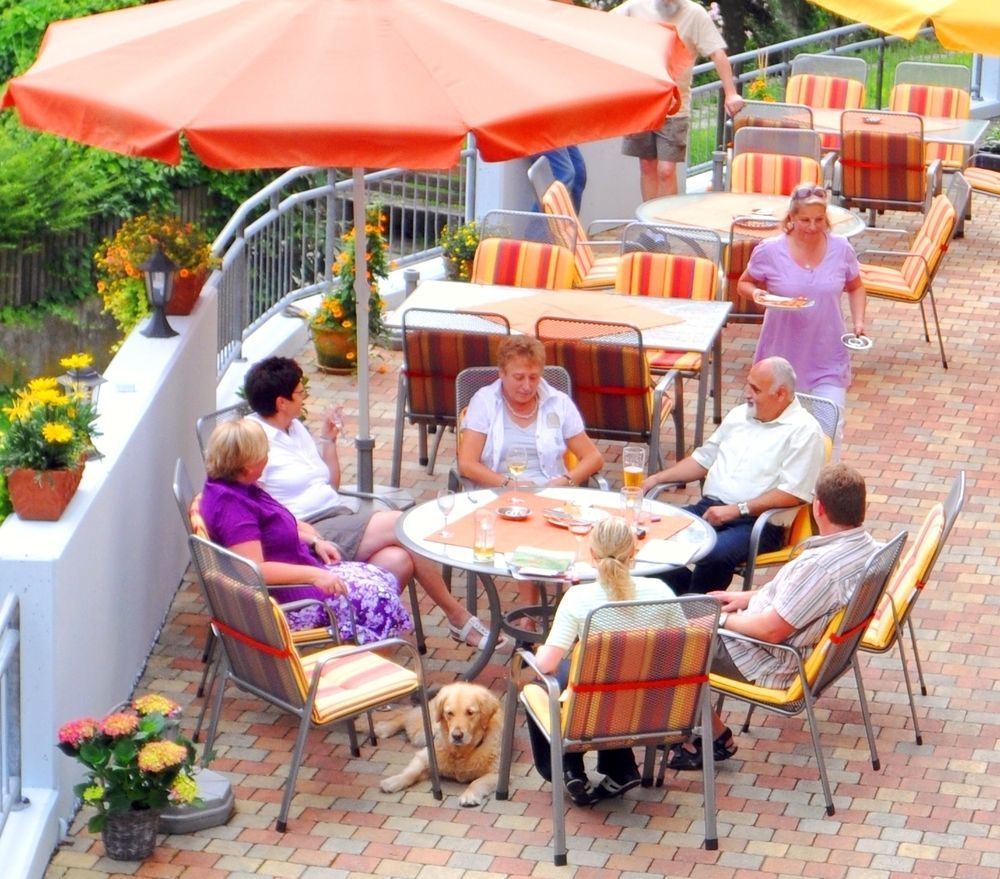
466	741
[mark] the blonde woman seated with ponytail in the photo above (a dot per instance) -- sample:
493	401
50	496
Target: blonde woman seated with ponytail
612	548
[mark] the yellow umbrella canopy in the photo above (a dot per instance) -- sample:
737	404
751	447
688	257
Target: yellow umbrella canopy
966	25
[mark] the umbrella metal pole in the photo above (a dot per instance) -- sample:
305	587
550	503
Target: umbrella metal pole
364	443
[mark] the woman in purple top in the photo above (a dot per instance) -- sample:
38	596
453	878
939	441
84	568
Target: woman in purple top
292	556
807	261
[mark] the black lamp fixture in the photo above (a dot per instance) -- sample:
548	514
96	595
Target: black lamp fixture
158	272
86	382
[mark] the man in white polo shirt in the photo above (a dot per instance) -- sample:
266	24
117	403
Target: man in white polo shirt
766	454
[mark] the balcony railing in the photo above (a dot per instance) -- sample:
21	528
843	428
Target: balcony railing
10	708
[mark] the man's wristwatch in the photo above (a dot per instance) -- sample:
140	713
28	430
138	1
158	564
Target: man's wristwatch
744	508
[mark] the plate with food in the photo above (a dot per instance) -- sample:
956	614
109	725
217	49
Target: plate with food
788	303
561	517
514	513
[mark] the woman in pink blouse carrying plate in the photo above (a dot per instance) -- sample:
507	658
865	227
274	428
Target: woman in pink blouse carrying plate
800	276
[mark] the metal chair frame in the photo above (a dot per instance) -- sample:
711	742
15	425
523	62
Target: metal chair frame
529	226
844	66
746	231
838	649
671	238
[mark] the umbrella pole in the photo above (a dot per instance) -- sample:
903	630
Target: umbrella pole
364	443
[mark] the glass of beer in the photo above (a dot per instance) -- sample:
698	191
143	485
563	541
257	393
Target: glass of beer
485	535
634	465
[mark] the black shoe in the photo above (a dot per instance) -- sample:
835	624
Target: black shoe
579	789
612	787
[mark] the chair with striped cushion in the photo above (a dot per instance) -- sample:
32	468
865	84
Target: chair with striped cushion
595	259
515	263
757	114
775	160
744	235
834	653
827	82
529	226
882	166
983	174
331	686
638	678
906	585
935	90
612	385
914	279
437	346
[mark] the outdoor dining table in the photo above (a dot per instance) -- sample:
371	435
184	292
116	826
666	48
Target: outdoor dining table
937	129
665	324
673	537
717	210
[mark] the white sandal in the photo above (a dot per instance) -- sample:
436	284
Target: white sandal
474	624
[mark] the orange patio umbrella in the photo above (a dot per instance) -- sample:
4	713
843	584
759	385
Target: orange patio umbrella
966	25
347	83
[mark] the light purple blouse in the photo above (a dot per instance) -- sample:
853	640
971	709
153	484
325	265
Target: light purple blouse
808	338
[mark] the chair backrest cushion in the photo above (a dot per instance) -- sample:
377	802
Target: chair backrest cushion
930	100
817	90
557	200
930	243
906	581
516	263
669	275
772	174
883	165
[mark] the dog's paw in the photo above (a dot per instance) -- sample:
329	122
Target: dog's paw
384	729
392	784
468	800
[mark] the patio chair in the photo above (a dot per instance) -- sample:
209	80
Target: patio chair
595	256
517	263
745	234
638	678
797	522
935	90
612	386
775	160
540	177
757	114
331	686
983	174
914	279
693	241
835	653
907	584
529	226
828	82
437	346
207	423
881	165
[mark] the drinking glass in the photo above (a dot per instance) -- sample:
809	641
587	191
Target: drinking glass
632	505
517	463
485	535
337	417
446	503
633	465
579	528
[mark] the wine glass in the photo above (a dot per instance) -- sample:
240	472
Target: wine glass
517	463
337	417
446	503
579	528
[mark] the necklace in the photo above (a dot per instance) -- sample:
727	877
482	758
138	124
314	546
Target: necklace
517	414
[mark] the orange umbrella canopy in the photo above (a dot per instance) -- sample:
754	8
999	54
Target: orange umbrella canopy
368	83
967	25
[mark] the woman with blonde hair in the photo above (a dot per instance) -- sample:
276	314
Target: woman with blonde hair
612	549
294	559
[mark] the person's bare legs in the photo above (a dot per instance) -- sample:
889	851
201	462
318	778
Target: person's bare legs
379	546
657	178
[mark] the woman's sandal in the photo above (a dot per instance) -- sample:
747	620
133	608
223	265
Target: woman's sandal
681	759
475	625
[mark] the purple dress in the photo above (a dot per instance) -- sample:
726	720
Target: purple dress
808	338
235	513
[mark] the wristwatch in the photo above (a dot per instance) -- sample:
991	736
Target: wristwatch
744	508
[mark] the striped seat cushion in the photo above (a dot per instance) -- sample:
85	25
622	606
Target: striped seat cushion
515	263
905	583
937	101
198	525
592	271
825	92
887	165
983	180
794	692
772	174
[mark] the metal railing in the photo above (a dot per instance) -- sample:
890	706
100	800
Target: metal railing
281	244
10	708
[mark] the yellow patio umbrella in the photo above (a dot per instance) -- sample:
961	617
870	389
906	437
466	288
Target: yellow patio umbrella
966	25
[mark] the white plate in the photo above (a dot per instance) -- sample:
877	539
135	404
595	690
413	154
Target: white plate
562	517
785	303
856	343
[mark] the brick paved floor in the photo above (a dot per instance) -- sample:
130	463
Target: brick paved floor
930	811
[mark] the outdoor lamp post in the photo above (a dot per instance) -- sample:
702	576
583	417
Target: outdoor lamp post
158	272
85	381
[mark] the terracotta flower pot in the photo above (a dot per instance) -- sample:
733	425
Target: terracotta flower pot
42	495
336	351
186	292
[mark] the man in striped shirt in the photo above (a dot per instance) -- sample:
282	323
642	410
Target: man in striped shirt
795	607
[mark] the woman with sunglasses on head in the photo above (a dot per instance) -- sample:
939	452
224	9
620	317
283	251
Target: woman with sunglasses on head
809	265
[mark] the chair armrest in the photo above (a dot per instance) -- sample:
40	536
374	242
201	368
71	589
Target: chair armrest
826	164
656	491
749	639
935	175
903	253
310	602
719	160
988	161
526	657
599	227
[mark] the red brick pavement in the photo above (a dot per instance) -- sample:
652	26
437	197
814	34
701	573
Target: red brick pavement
930	811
